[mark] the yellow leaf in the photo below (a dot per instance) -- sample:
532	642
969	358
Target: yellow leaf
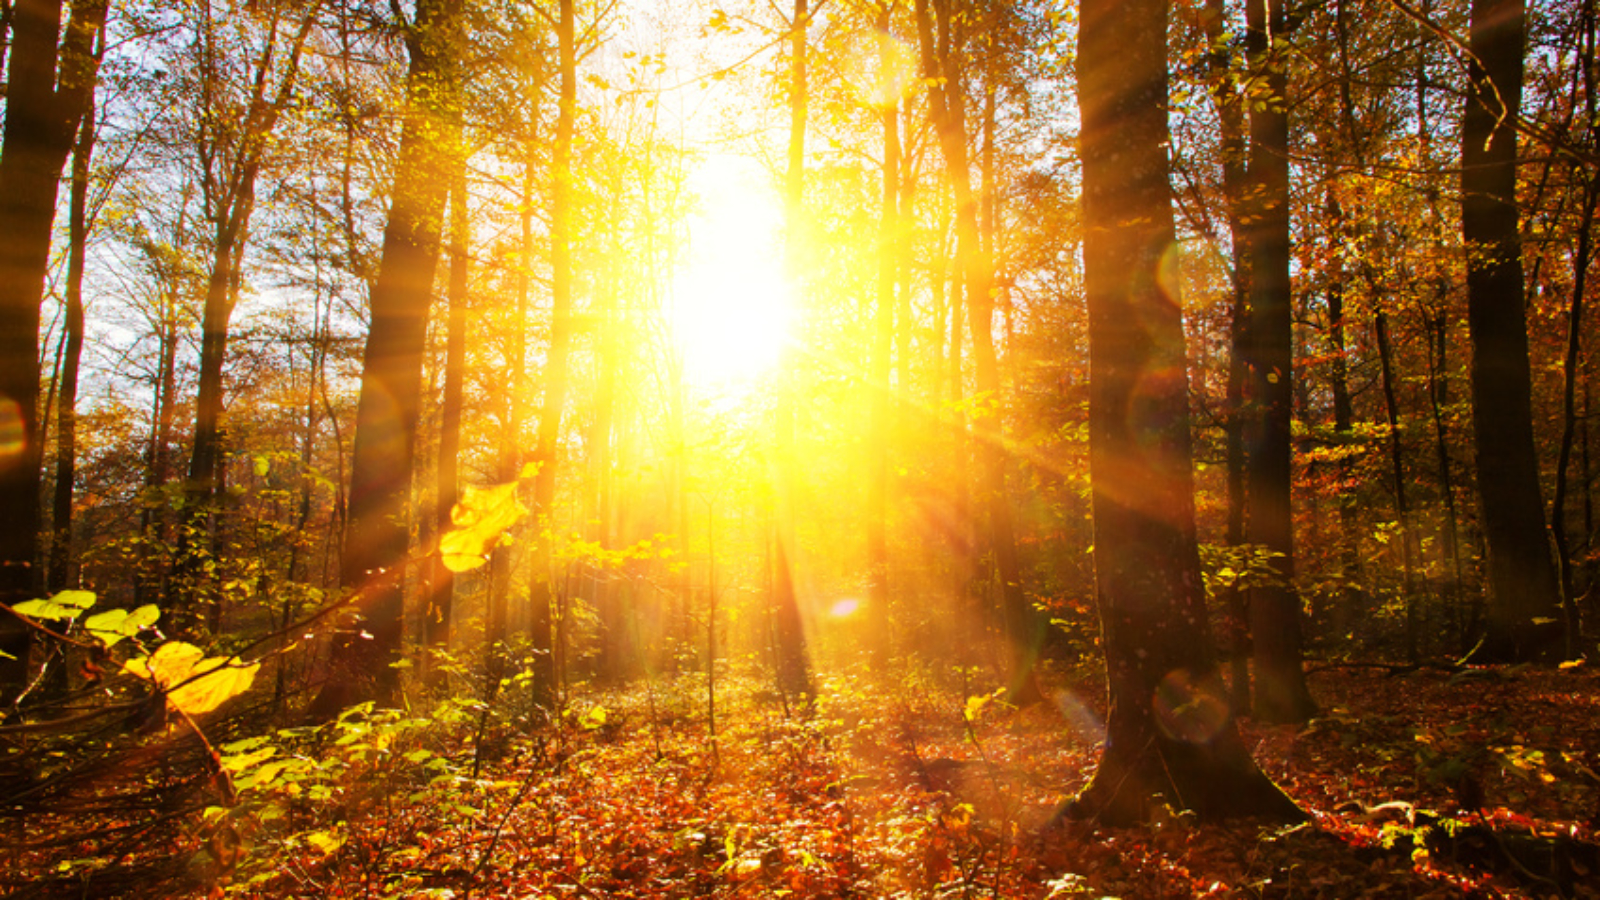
113	625
481	519
65	605
192	682
325	841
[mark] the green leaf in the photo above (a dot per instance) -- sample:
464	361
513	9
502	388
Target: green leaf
113	625
63	606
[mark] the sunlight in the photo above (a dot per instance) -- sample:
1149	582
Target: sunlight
732	302
844	609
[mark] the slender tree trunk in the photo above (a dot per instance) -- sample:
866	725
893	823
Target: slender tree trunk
1572	367
153	554
41	119
59	570
1522	619
882	338
373	565
1230	113
1352	597
235	200
436	619
1437	321
555	370
509	457
794	672
1281	694
945	101
1391	406
1185	745
613	659
1569	418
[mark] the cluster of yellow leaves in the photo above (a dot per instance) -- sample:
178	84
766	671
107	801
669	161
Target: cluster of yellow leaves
193	682
482	522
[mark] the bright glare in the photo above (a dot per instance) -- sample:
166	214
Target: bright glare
732	302
844	609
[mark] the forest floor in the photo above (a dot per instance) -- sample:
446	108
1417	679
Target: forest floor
917	791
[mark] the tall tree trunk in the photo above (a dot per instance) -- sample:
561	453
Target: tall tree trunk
945	103
1350	605
151	574
613	660
794	672
555	370
59	570
1185	745
1280	685
233	200
509	455
373	565
878	378
1437	321
48	89
440	603
1230	113
1391	406
1522	619
1572	367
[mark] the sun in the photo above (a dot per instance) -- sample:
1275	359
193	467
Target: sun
731	301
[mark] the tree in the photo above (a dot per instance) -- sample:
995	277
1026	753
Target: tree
78	224
1170	731
555	370
441	583
49	87
888	109
1522	621
373	563
794	674
1281	694
946	110
232	156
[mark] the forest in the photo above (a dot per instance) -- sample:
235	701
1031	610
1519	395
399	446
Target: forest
812	448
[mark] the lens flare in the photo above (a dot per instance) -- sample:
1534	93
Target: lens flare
13	436
1168	273
880	69
845	608
1081	721
1190	708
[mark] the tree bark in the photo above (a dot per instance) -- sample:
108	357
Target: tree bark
1170	731
793	669
373	564
1280	685
878	379
232	200
1521	618
48	89
58	574
1230	115
436	624
945	105
555	370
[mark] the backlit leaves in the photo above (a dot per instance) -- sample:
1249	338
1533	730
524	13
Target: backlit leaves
113	625
481	519
193	682
66	605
